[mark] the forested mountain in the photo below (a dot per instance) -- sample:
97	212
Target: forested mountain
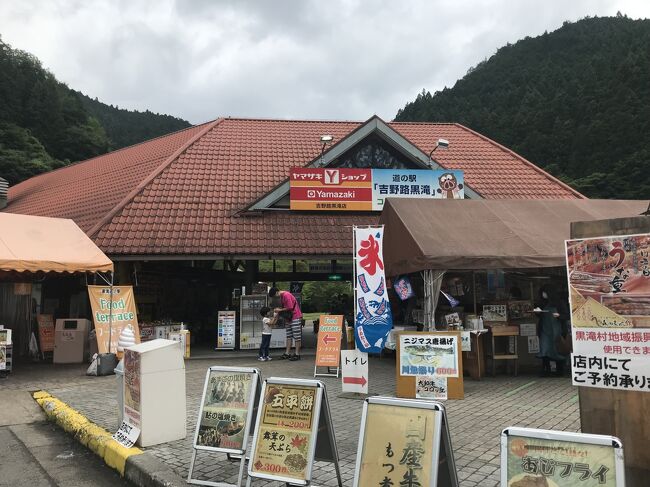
44	124
575	101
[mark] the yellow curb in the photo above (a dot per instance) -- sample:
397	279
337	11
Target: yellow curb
88	433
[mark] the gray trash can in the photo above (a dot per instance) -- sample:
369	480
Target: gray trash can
119	374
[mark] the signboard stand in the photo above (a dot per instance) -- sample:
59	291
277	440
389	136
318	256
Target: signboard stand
291	414
414	425
217	380
226	322
528	452
329	345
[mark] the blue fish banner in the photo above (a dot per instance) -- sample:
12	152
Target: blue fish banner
374	319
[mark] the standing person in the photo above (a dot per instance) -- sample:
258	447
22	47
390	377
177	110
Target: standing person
268	321
289	310
549	330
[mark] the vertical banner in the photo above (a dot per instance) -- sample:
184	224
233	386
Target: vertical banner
609	283
132	388
123	311
373	320
329	341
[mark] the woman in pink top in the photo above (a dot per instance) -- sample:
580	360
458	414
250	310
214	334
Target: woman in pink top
293	326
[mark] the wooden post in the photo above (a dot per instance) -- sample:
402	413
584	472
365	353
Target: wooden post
625	414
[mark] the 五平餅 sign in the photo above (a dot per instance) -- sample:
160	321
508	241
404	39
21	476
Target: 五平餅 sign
343	189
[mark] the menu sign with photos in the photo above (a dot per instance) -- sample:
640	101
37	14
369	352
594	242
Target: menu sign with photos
284	437
609	282
531	457
224	412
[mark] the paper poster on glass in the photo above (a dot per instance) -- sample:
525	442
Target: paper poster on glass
406	453
429	354
284	434
373	320
537	458
610	372
430	387
224	412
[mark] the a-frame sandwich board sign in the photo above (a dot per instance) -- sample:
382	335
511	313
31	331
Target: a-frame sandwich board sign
328	345
293	429
226	417
404	440
561	458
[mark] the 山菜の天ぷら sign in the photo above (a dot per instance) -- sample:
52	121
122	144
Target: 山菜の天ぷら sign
118	312
609	282
373	320
343	189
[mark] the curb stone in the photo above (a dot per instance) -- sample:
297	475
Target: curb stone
138	467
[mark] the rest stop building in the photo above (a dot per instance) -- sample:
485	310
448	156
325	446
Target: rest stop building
189	217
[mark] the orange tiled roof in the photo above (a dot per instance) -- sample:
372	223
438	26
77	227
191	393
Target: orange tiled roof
183	193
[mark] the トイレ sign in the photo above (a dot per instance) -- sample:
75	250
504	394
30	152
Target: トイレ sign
354	376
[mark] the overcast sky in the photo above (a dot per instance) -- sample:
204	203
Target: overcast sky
327	59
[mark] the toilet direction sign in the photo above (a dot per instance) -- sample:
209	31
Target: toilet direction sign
354	371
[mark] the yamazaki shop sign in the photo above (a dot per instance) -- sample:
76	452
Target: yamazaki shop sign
342	189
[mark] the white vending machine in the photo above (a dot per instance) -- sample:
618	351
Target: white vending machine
154	391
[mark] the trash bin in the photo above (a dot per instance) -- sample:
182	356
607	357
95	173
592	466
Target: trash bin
119	374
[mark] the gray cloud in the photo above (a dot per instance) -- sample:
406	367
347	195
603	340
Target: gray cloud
334	59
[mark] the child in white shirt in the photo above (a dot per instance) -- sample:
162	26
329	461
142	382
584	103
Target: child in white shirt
269	319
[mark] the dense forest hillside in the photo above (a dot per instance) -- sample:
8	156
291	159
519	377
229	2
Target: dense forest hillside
45	125
575	101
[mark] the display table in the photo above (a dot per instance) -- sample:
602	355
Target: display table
474	361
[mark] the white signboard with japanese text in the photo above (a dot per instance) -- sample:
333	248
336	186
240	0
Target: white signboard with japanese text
354	377
127	434
609	282
528	329
609	372
428	354
533	344
465	341
428	387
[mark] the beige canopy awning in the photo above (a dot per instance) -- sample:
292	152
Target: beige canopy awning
423	234
35	243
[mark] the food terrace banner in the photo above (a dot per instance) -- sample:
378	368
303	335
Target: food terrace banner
123	310
343	189
609	282
373	320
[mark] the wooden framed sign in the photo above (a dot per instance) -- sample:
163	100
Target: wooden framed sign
560	458
291	414
404	442
226	415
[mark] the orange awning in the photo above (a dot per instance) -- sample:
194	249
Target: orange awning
36	243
